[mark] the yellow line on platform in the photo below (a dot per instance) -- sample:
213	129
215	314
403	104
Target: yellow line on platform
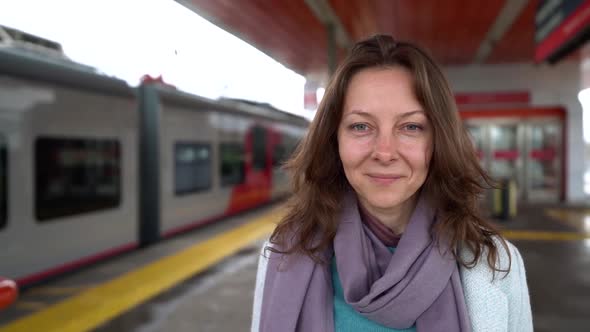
576	218
545	236
95	306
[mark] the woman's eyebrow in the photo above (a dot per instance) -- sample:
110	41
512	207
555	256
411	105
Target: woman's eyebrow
400	116
407	114
361	113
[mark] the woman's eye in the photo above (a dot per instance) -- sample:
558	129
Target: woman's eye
359	127
413	127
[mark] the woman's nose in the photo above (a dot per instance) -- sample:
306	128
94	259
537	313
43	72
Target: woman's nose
385	149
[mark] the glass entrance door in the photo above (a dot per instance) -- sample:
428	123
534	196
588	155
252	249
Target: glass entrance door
544	161
505	153
478	138
528	151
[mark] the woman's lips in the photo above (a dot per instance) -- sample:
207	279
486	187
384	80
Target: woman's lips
384	178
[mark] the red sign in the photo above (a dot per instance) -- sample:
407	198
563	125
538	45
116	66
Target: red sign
478	98
543	154
569	28
506	154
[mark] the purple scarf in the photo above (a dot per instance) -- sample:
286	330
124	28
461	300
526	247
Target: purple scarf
418	284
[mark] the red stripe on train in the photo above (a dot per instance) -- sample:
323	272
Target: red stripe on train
36	277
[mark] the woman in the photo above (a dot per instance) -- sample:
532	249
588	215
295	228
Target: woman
383	232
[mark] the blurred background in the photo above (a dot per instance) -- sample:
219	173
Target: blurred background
141	145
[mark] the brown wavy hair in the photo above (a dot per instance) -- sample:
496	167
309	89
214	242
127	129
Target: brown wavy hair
455	179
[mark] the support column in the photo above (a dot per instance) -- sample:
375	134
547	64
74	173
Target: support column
149	161
332	49
337	35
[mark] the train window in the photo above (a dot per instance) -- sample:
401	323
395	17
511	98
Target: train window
192	167
76	175
278	155
283	151
259	148
232	163
3	182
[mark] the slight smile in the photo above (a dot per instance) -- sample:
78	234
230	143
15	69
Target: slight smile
383	178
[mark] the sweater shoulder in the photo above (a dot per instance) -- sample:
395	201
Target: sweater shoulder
505	259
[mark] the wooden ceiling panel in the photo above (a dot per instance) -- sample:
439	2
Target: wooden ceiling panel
518	44
357	16
285	30
451	30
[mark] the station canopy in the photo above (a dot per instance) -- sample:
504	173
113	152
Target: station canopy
301	34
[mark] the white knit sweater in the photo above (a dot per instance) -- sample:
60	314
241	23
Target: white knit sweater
498	305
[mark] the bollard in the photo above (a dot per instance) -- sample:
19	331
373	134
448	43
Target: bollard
504	200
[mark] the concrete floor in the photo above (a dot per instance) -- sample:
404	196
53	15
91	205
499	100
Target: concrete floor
559	283
558	272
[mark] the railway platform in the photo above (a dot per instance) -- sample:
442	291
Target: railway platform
204	280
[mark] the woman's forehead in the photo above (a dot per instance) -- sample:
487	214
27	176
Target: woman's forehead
383	90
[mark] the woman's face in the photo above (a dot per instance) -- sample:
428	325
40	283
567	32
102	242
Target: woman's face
384	138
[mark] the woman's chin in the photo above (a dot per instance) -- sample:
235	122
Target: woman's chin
384	203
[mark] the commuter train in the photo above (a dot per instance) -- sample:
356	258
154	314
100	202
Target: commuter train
91	167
